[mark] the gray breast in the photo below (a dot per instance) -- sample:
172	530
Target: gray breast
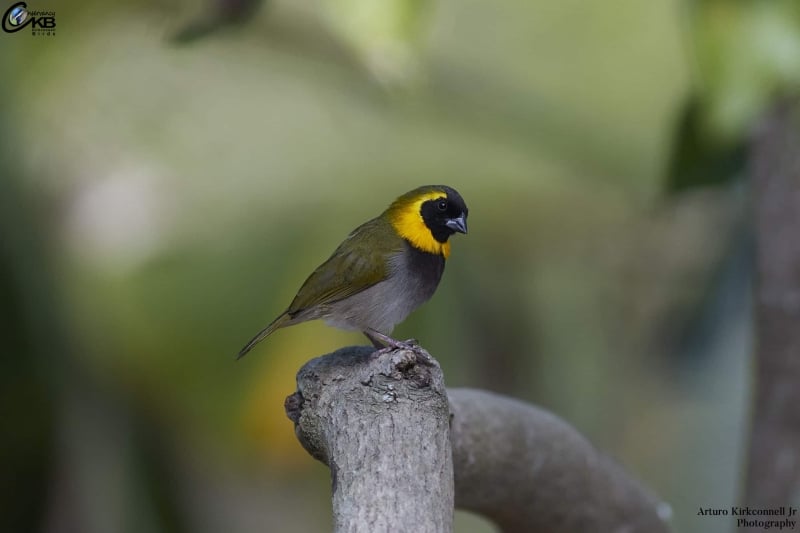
413	278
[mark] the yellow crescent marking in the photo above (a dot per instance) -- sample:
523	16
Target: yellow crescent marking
407	221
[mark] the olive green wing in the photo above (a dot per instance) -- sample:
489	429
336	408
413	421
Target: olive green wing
361	261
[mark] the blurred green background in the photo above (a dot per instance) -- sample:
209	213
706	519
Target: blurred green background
162	197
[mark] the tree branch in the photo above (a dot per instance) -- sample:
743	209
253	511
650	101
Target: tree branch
528	471
381	424
773	473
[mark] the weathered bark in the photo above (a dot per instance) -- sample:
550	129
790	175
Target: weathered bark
528	471
381	424
773	472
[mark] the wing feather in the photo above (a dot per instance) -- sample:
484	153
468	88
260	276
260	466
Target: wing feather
360	262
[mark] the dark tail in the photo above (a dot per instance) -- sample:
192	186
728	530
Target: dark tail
279	322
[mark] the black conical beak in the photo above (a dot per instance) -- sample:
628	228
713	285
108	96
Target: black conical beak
458	224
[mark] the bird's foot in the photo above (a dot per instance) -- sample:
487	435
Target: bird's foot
387	344
410	345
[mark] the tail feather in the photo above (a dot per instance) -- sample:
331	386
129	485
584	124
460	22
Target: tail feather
279	322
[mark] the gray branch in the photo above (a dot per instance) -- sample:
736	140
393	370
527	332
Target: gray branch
381	424
528	471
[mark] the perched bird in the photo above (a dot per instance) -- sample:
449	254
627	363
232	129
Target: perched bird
385	268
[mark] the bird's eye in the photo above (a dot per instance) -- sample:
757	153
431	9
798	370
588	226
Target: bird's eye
442	205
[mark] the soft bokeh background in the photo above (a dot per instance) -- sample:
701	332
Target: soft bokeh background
162	197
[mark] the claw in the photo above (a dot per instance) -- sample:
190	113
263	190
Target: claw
389	344
422	356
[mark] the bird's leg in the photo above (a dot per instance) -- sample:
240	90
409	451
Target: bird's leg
385	343
374	340
380	340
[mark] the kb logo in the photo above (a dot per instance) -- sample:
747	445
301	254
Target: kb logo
17	17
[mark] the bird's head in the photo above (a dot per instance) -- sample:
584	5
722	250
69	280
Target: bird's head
427	217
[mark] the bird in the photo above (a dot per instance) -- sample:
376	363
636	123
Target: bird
384	269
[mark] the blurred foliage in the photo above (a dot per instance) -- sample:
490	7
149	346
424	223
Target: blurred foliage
26	396
218	15
385	35
744	55
162	203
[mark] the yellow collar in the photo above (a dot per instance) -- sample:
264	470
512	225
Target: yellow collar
406	219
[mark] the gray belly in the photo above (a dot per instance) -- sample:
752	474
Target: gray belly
413	279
